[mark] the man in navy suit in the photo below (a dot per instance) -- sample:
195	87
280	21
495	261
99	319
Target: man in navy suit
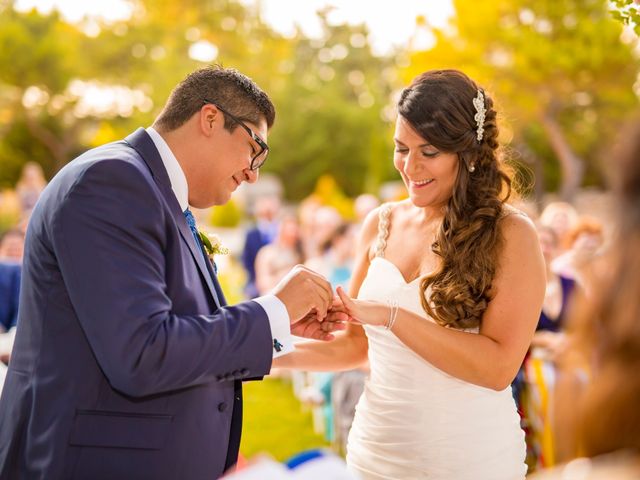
127	361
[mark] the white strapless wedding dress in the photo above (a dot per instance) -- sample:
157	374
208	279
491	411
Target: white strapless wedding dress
413	420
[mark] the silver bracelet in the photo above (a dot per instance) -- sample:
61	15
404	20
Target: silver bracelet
393	314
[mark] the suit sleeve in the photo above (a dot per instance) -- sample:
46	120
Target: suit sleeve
109	235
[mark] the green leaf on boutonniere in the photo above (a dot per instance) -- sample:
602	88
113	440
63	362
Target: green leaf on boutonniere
212	244
206	243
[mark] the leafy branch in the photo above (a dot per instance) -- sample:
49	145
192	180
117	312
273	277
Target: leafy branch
627	12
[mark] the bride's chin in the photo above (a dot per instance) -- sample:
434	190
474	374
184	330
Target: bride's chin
427	203
419	201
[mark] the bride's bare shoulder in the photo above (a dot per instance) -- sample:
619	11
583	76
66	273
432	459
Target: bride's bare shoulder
519	233
508	210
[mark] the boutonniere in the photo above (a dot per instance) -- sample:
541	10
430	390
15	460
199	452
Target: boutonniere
212	244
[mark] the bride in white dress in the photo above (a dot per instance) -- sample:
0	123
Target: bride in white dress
449	286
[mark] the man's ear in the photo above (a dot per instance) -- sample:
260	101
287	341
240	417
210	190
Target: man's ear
208	116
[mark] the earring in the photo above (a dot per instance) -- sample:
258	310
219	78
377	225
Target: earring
472	168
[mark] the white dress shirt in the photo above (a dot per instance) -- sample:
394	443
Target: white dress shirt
272	305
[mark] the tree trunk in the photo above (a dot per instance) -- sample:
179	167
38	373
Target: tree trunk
55	146
60	148
571	165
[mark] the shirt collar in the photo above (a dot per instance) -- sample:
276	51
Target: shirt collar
174	170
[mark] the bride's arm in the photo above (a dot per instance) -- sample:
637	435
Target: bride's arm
490	359
349	349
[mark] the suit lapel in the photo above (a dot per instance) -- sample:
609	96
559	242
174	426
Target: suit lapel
216	284
142	143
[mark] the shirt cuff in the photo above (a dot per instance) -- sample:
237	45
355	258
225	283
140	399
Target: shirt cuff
282	340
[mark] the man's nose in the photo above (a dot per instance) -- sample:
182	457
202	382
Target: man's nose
251	176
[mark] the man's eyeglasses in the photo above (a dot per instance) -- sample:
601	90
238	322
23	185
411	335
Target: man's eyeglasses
261	156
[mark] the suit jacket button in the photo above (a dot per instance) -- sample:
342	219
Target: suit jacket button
222	406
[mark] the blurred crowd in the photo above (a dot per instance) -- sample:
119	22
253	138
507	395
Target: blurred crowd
582	252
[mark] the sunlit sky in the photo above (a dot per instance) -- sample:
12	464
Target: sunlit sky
390	22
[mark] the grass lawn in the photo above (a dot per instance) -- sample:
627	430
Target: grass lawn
275	422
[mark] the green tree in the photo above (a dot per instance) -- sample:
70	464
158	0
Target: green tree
37	62
628	12
561	74
330	112
47	66
329	93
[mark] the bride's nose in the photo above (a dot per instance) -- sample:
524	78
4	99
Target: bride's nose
412	163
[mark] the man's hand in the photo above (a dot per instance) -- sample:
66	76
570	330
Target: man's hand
310	327
304	291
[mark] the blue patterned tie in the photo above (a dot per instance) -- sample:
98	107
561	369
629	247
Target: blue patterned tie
191	221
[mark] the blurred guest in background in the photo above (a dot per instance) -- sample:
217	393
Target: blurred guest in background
597	403
585	241
363	205
336	264
317	224
336	259
261	234
535	380
346	389
30	185
556	299
11	250
9	295
561	217
12	245
278	257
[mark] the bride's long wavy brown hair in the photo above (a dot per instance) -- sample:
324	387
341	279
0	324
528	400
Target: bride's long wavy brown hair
439	106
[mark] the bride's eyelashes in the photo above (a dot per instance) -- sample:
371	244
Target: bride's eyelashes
424	154
431	154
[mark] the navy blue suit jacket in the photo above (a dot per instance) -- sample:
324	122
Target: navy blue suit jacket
126	363
9	293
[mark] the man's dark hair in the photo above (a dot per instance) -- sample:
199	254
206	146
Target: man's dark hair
225	87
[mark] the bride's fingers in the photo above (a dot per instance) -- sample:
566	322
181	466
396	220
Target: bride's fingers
337	302
337	305
346	299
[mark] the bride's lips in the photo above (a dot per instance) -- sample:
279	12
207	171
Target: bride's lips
421	184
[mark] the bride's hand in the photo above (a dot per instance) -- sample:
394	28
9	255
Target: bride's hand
310	326
364	311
